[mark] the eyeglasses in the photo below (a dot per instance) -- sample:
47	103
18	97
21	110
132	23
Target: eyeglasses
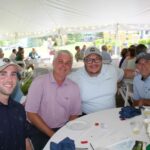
91	60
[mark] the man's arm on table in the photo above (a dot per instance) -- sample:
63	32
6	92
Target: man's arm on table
37	121
141	102
28	144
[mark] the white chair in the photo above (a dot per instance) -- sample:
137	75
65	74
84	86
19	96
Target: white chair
23	65
126	91
25	73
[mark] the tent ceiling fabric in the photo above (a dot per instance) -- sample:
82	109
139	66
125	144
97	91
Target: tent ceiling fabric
22	16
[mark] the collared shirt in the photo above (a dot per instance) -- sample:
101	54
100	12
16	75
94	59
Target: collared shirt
54	103
141	88
98	92
12	126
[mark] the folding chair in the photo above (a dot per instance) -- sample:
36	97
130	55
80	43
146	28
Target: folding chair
126	91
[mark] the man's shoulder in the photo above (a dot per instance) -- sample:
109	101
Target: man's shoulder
71	82
110	67
137	79
14	104
76	74
113	70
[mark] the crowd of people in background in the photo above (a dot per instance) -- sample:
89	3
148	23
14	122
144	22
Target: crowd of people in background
62	95
128	56
79	55
33	54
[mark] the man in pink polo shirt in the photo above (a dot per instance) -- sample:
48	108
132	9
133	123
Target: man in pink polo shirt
52	100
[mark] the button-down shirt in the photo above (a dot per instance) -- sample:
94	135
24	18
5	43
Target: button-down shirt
54	103
141	88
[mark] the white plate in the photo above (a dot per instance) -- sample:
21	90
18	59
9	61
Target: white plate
77	125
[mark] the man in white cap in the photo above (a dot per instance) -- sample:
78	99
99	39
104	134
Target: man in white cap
97	82
12	114
141	82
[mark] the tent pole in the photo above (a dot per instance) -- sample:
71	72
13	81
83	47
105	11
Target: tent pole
116	39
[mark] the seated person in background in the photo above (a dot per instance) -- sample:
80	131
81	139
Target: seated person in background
131	58
12	57
83	50
141	82
123	55
13	133
78	54
105	55
98	82
33	54
52	100
20	57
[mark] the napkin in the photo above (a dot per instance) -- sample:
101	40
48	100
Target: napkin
65	144
129	112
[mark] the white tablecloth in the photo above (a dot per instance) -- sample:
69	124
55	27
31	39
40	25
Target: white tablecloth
103	128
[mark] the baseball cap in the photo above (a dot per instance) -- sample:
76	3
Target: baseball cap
92	50
5	62
142	55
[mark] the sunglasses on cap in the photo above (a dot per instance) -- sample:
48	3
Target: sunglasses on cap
6	60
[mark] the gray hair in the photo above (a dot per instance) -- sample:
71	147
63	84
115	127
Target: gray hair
1	50
58	53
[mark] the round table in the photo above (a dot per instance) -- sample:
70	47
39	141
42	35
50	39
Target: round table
102	128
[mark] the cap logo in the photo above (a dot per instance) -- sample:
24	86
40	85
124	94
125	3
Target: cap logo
92	49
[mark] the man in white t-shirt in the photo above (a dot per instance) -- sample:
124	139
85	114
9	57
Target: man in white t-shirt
97	82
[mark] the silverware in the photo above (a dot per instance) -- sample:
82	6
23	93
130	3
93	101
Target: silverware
92	146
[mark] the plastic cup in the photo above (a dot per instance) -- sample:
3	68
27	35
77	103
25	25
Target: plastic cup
146	113
135	126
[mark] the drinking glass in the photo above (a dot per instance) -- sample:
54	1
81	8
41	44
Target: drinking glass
136	126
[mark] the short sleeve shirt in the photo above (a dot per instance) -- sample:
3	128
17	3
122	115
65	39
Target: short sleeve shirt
141	88
98	92
54	103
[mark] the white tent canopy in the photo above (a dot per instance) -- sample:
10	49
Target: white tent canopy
28	17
